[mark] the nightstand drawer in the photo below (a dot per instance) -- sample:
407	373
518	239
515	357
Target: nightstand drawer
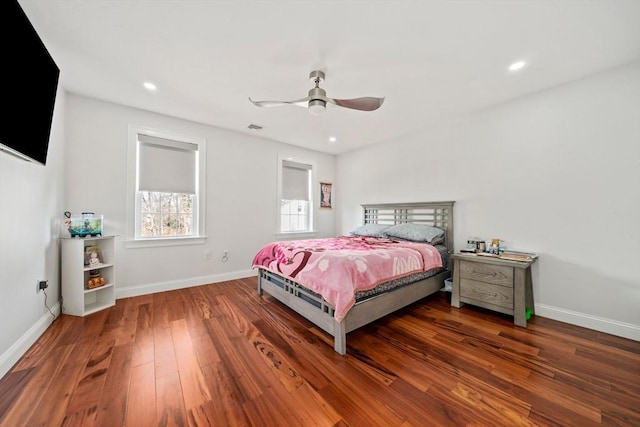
493	274
487	293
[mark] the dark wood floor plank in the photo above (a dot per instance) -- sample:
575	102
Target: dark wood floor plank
141	399
81	418
122	323
395	361
357	412
291	394
434	412
220	354
143	344
227	406
438	322
52	407
194	388
160	310
11	387
226	338
495	403
39	351
113	402
205	350
164	354
89	389
36	389
170	409
295	349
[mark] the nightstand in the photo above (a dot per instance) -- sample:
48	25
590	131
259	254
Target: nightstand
496	284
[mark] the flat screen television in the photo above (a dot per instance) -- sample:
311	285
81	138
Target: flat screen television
29	78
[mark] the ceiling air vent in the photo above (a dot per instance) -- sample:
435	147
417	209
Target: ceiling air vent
254	127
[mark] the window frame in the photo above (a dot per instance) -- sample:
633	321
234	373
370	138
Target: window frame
312	231
134	239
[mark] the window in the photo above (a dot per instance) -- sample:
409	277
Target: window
295	196
165	214
166	187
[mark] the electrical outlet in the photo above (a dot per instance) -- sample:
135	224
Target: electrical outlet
42	284
208	255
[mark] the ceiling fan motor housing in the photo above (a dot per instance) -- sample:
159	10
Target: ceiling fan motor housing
316	74
317	100
317	94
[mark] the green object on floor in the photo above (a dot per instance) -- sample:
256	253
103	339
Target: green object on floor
528	313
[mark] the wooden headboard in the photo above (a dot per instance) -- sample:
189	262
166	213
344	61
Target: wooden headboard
437	214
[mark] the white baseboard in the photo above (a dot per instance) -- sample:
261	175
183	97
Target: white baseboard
151	288
613	327
20	347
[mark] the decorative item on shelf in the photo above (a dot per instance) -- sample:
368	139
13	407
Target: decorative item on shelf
87	224
494	247
95	279
472	245
92	256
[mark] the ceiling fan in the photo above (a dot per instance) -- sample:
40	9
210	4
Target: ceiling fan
317	99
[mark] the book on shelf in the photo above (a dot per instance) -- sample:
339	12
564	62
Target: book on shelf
518	256
487	254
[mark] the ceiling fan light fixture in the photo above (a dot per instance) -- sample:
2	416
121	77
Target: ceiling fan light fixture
317	107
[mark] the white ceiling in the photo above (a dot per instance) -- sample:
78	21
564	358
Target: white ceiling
432	60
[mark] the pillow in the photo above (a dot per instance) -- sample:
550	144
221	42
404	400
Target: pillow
370	230
416	233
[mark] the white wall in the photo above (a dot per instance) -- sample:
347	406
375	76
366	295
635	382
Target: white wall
557	173
31	200
241	201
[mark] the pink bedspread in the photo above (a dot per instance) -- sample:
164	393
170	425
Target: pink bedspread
338	267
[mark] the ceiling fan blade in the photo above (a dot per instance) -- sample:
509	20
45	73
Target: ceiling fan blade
367	103
299	102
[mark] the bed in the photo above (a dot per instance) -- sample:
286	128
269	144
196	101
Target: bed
379	297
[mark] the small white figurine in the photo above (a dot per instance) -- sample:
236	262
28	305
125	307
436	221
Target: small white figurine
94	261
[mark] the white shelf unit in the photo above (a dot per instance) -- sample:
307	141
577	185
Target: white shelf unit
78	300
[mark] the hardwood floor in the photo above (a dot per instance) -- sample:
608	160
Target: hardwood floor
221	355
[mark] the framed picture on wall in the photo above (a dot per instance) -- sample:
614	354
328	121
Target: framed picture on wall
325	195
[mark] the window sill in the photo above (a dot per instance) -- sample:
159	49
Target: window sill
164	241
296	235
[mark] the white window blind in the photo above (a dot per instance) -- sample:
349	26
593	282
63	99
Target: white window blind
166	165
295	181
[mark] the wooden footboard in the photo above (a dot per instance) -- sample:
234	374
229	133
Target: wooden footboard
321	313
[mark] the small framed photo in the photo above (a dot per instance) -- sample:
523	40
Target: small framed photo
325	195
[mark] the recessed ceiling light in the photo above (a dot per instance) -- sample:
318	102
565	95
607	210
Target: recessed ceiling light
149	86
519	65
332	139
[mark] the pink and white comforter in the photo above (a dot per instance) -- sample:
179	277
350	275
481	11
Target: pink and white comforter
338	267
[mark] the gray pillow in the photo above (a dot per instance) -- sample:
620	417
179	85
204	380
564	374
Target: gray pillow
370	230
416	233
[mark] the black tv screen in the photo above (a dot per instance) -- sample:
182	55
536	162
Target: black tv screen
29	78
